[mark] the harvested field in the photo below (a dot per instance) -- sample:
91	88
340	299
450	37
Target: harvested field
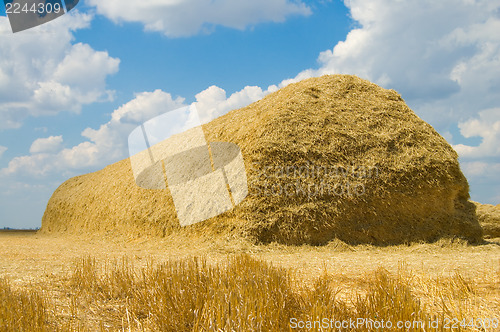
94	284
409	248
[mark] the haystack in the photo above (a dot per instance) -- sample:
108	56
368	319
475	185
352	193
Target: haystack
489	219
326	158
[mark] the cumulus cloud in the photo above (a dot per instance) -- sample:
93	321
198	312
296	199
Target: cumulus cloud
487	126
475	169
483	179
43	73
2	150
108	143
481	163
50	144
213	102
145	106
102	146
177	18
442	56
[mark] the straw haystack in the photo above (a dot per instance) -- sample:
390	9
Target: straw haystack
489	219
329	157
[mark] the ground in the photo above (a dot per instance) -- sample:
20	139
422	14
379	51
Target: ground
33	260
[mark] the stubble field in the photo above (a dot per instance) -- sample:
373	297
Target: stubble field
176	284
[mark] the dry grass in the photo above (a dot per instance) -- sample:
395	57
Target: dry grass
22	310
489	218
303	147
237	293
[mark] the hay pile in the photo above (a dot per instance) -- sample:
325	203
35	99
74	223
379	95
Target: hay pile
329	157
489	219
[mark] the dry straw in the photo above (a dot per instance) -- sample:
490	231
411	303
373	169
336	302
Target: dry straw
489	218
329	157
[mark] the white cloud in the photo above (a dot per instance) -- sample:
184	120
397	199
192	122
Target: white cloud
442	56
109	143
213	102
47	145
481	169
2	150
37	164
145	106
487	127
176	18
483	179
85	68
43	73
103	146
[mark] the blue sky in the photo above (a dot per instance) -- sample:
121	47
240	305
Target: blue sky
72	90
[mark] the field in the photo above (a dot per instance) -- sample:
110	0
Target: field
173	284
